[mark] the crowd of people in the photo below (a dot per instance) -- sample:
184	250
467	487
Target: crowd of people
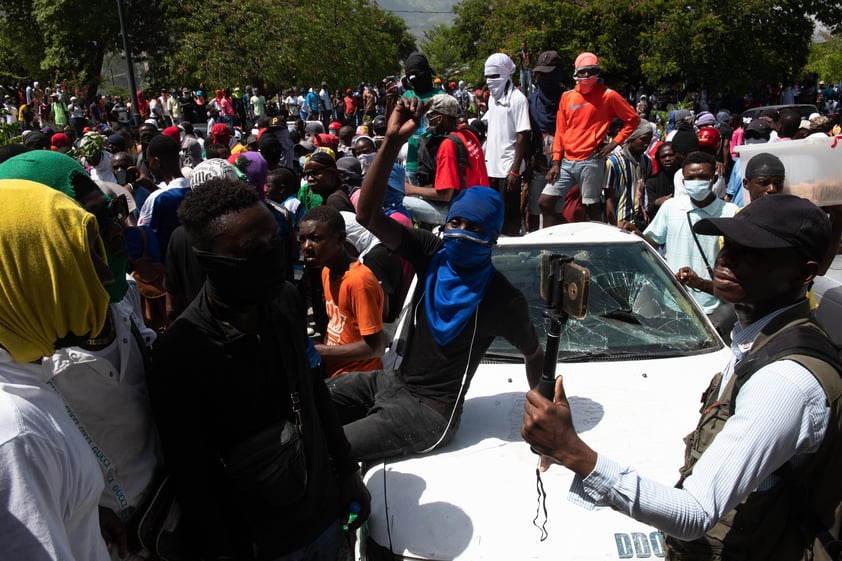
209	313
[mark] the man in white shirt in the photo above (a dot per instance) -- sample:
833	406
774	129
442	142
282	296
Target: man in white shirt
774	454
507	143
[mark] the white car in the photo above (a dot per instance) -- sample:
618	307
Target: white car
634	371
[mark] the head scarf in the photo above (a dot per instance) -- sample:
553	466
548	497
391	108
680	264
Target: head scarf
460	273
215	168
220	134
65	174
58	292
645	127
498	63
254	166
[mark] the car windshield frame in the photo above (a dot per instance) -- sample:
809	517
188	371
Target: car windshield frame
636	310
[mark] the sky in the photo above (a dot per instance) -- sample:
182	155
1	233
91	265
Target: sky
421	16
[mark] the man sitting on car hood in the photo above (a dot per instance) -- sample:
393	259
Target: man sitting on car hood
461	305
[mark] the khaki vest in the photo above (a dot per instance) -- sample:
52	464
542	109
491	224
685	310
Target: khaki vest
781	523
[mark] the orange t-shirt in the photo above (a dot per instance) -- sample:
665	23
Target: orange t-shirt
354	305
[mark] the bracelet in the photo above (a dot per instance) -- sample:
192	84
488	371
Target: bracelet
515	174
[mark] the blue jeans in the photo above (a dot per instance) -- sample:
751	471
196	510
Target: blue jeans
382	418
526	80
330	545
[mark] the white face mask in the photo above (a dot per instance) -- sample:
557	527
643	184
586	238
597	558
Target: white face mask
497	86
698	189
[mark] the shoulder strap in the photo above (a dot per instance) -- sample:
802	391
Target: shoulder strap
806	339
461	158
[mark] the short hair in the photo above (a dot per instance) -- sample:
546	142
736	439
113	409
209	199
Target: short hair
326	215
164	147
284	178
217	151
11	150
699	157
203	208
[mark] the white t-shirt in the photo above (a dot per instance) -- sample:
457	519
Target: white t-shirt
505	119
50	482
113	403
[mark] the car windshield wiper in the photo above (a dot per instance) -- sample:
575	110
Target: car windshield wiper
503	357
605	354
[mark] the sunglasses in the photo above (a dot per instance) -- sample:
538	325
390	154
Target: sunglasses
587	72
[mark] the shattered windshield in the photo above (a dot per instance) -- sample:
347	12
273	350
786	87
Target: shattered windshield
635	309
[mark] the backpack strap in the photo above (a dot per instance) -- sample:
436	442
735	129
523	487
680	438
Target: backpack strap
461	158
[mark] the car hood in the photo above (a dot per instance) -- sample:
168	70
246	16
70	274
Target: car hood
476	497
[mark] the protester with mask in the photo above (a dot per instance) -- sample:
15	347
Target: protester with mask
543	108
50	481
418	83
126	173
462	304
430	203
234	369
508	137
580	144
103	378
672	225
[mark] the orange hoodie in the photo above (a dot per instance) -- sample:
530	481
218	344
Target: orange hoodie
583	120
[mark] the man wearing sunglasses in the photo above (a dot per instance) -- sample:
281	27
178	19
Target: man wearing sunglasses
581	144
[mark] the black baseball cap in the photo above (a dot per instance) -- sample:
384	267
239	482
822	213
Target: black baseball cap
775	222
548	61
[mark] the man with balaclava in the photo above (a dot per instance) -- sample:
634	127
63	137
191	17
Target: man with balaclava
543	108
462	304
507	143
580	144
418	83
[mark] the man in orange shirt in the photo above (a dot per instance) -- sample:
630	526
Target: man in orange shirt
580	145
354	341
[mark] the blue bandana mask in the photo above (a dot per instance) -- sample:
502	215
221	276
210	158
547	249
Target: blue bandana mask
466	250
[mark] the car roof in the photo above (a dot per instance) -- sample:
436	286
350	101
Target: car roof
804	108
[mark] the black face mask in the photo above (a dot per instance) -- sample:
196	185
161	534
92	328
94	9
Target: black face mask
124	176
245	282
421	82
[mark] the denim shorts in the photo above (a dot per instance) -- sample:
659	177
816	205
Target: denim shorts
588	174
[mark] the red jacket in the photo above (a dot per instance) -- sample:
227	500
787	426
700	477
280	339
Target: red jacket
583	120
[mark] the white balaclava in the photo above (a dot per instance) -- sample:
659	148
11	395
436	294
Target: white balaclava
501	64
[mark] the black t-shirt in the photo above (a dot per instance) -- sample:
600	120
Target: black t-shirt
386	266
434	373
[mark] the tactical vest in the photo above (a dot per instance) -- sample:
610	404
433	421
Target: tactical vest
799	518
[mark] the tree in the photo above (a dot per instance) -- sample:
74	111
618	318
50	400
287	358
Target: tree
825	59
66	40
720	44
276	44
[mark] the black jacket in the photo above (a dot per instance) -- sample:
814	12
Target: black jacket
213	387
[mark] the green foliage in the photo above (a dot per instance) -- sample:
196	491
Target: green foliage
274	44
720	44
825	59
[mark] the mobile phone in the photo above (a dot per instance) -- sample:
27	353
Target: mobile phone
564	285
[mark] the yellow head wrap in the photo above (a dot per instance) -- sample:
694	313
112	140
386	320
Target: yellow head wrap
49	287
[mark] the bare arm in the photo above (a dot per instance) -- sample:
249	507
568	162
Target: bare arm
403	122
534	366
371	346
430	193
